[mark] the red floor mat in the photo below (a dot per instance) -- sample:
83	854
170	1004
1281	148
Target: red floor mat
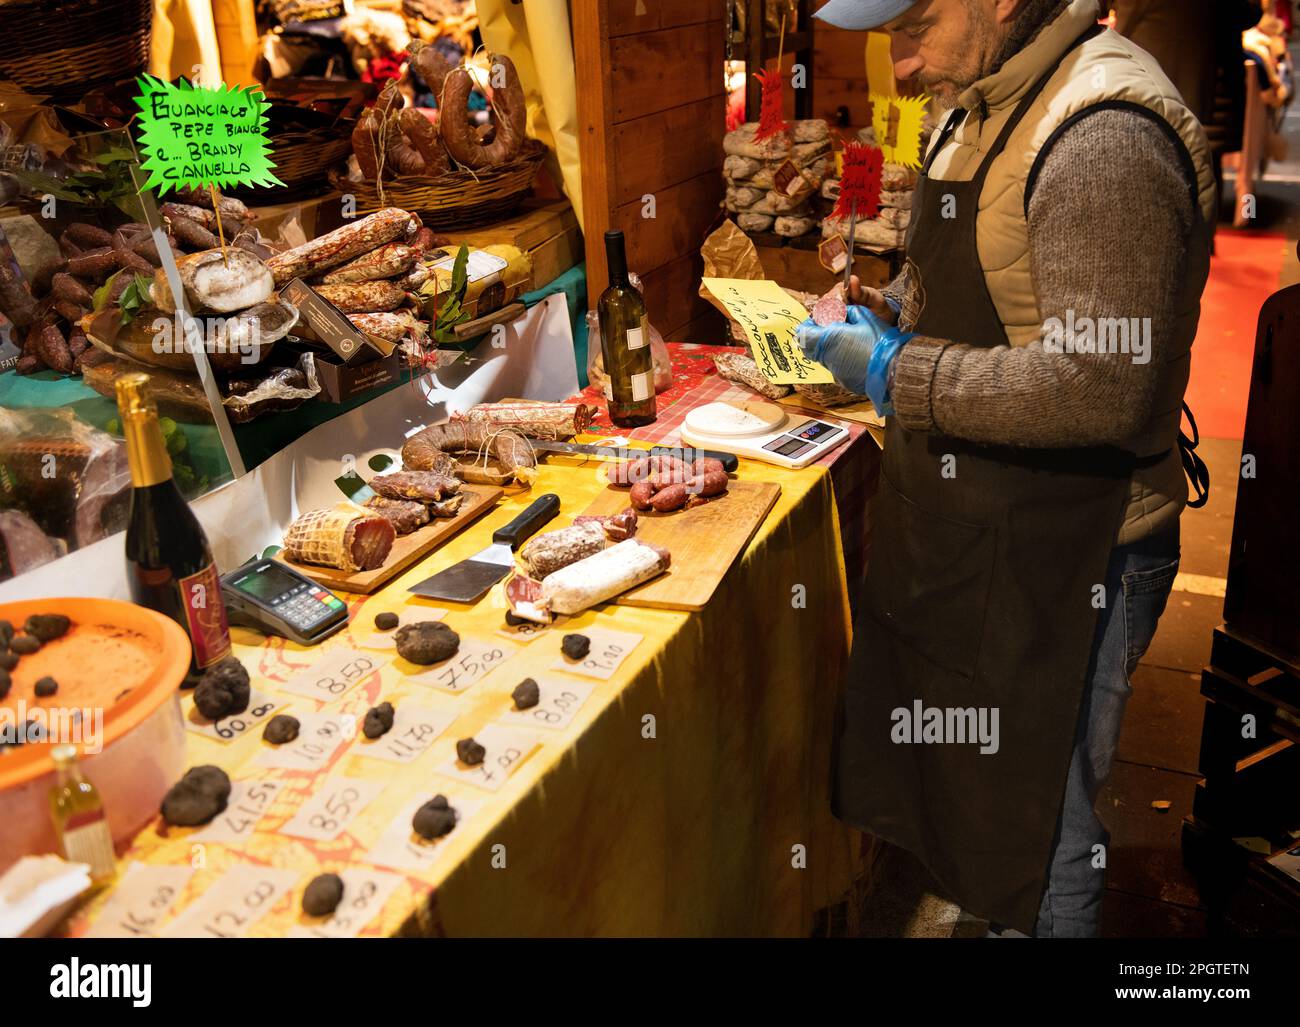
1244	272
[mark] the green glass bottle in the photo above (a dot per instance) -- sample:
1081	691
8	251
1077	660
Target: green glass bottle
625	343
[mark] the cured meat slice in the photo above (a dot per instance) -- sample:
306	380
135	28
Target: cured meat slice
617	526
424	486
447	507
346	536
831	309
404	514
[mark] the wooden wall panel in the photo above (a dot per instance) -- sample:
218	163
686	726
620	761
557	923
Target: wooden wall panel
628	16
840	74
653	71
652	114
673	300
667	148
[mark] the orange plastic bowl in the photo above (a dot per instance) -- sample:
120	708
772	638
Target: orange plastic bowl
119	661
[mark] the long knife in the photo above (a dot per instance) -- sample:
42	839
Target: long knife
686	453
467	581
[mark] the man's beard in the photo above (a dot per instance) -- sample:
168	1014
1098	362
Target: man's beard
983	39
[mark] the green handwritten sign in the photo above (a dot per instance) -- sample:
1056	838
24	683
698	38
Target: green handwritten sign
193	137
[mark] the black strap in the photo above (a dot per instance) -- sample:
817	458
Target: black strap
1193	466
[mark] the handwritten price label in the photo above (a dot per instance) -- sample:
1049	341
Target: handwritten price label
242	896
476	659
413	731
388	639
248	801
324	816
228	729
557	703
142	899
523	633
400	848
319	738
507	748
365	892
334	675
608	651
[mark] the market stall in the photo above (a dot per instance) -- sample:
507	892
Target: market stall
309	386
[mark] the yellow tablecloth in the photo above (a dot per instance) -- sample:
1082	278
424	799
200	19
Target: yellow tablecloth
717	824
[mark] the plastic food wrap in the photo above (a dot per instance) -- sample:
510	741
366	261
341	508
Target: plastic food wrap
69	477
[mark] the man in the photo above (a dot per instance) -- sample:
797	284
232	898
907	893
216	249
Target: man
1033	355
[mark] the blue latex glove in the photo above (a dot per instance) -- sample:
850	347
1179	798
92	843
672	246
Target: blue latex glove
844	349
858	352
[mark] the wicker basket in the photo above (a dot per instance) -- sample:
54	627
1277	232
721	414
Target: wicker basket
461	199
63	49
303	160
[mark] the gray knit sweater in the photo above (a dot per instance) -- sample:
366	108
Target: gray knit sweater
1110	221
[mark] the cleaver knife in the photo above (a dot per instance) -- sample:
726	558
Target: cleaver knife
469	580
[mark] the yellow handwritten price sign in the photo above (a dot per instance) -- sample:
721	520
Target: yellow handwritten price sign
769	316
898	121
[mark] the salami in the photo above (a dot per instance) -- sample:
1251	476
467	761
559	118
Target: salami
830	309
390	327
341	245
387	261
363	297
549	552
507	103
589	581
346	536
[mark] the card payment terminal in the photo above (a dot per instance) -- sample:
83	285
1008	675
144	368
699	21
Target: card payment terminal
276	600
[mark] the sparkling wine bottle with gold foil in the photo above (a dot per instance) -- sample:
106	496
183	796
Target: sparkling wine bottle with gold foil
169	562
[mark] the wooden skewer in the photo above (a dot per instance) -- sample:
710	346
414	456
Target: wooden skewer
216	209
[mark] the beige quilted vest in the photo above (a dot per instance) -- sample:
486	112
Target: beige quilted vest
1105	69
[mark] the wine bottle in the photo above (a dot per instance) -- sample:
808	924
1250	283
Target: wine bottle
79	822
625	343
169	562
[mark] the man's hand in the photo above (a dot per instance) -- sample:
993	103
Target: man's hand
872	299
844	349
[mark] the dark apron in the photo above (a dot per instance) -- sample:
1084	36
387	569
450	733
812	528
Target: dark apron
979	595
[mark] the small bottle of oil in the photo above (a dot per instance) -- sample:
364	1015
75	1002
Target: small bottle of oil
79	820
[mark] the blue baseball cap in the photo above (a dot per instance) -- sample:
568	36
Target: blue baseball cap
862	14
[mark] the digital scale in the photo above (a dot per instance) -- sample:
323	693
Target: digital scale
276	600
764	431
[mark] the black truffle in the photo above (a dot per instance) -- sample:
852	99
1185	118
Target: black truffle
8	661
6	682
385	621
24	645
426	641
47	626
514	620
6	633
379	720
280	729
434	819
46	687
525	694
35	731
323	895
223	690
575	647
197	797
470	751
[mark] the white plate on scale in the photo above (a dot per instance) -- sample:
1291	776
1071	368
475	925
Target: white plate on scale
763	431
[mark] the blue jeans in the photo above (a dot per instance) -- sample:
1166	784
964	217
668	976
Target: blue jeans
1138	582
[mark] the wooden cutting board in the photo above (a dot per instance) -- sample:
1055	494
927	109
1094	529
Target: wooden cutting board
479	499
704	542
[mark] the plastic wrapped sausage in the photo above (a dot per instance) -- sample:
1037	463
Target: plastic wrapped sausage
341	245
363	297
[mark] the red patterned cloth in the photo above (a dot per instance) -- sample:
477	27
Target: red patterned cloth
854	466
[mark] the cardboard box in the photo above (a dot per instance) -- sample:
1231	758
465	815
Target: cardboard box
340	382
